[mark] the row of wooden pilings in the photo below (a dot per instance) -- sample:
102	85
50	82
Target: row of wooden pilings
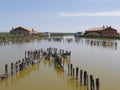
31	57
76	73
84	78
29	60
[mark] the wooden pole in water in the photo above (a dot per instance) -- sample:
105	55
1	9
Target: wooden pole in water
71	66
6	68
11	68
81	77
68	69
87	83
73	72
91	82
16	66
85	77
77	70
97	84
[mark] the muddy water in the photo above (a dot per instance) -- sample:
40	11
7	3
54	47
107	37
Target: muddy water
102	60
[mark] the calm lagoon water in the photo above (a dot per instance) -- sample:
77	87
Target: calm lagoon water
100	57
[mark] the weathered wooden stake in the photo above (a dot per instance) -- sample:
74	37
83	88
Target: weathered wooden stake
91	82
87	83
81	77
71	66
97	84
6	69
16	66
77	70
68	69
73	73
11	68
85	77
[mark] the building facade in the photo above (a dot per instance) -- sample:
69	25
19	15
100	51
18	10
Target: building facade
22	30
103	31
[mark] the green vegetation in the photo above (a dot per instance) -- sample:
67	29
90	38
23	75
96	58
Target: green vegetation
61	34
16	37
21	37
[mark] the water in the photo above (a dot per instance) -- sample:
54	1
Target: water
98	58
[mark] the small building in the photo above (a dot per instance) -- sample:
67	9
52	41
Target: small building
22	30
102	31
78	34
47	34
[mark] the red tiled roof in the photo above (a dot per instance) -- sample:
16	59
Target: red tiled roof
27	29
97	29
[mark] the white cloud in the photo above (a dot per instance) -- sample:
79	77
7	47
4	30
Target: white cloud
111	13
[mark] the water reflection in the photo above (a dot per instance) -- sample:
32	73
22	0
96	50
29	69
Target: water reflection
90	42
20	75
56	39
21	41
6	82
75	84
58	70
72	83
102	43
112	59
77	39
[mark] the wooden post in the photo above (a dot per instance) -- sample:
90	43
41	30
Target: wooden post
21	66
23	63
28	54
70	55
73	72
85	77
81	77
87	83
97	84
91	82
71	66
68	69
77	70
16	66
6	68
11	68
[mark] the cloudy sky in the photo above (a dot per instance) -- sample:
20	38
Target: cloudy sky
59	15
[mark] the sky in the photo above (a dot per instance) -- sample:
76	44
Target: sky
59	15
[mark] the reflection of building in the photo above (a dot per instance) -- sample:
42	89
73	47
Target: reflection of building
22	30
103	31
103	43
